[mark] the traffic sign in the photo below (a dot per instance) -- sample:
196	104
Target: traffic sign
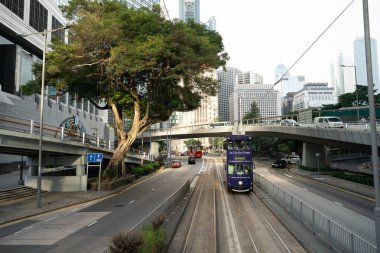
94	157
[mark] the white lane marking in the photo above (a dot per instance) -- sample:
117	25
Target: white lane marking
23	229
76	209
52	218
305	189
153	189
261	174
131	202
92	223
338	203
165	181
320	178
288	175
87	204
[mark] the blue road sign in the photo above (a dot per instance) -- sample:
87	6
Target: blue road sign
94	157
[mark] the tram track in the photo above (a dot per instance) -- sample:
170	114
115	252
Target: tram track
218	221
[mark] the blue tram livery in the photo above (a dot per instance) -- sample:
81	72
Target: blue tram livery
239	163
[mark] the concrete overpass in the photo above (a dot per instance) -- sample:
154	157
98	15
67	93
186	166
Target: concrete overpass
316	140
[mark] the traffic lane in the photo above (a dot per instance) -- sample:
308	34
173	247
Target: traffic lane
94	239
358	224
127	209
353	202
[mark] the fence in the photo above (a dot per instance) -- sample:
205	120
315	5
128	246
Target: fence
337	236
165	208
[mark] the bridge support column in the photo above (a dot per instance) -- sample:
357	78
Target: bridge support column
154	149
310	158
32	165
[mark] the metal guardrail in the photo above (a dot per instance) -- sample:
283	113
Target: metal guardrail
334	234
165	208
15	124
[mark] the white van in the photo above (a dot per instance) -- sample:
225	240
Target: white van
328	122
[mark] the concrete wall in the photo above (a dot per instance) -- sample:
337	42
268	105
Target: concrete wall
59	183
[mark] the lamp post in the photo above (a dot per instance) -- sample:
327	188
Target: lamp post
356	88
372	122
317	155
44	33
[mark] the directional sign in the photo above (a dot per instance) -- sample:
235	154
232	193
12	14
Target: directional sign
94	157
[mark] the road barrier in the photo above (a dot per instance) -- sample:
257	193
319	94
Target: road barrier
165	208
338	237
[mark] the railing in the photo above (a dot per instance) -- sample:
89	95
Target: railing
29	126
334	234
165	208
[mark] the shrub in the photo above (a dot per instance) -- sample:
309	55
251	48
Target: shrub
154	236
138	171
130	242
110	173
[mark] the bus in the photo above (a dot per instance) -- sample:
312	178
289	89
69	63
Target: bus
239	163
198	151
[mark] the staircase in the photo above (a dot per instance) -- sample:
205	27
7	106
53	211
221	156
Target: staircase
17	193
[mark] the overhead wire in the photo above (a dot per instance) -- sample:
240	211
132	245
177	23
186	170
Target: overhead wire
312	44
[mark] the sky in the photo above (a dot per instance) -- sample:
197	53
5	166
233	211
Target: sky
260	34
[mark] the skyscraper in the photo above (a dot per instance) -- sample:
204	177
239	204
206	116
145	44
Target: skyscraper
211	23
227	80
360	62
189	9
337	75
289	83
141	3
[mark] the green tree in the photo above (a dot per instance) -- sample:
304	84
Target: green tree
254	112
192	142
142	66
216	142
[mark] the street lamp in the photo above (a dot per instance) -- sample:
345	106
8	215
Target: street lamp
317	155
356	88
44	33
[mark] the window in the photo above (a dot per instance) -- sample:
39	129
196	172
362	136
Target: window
59	34
16	6
38	16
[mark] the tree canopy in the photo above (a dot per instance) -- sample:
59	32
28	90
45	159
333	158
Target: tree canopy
139	64
254	112
350	99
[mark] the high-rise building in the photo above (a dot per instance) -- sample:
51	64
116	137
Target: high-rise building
227	80
250	78
189	10
267	100
314	95
288	83
18	54
360	62
141	3
211	23
337	75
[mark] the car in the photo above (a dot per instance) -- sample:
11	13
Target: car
191	160
328	122
289	122
279	164
176	164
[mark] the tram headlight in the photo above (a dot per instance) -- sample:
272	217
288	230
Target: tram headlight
240	182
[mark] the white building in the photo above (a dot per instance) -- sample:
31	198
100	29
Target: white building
267	100
337	75
360	62
189	9
250	78
288	83
314	95
227	80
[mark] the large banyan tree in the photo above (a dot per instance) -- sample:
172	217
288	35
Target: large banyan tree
141	65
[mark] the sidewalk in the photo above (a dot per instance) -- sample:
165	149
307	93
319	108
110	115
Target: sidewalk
11	211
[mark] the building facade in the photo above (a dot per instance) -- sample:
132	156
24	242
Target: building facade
267	100
227	80
189	10
250	78
141	3
288	83
314	95
17	55
360	62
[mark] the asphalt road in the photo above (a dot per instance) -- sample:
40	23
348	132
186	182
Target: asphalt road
344	208
89	228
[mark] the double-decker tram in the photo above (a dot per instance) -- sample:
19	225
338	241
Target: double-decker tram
239	163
